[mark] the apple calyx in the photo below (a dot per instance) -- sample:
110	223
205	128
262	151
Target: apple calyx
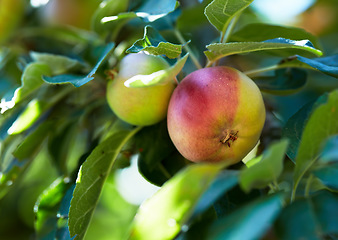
229	137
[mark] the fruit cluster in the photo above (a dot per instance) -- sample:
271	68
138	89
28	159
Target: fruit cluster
214	114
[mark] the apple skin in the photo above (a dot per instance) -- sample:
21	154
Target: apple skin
139	106
216	114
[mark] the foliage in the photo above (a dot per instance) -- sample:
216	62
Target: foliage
61	147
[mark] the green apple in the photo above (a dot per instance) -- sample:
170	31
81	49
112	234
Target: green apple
144	105
216	114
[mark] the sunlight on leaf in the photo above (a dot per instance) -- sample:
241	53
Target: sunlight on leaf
91	177
171	206
156	78
221	12
266	170
220	50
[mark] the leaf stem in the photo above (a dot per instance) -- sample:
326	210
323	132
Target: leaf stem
188	49
308	185
226	34
261	70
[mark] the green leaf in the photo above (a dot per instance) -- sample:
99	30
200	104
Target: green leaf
327	65
267	31
47	206
78	80
285	81
172	205
153	43
267	170
91	178
159	77
311	218
220	50
330	151
32	143
30	81
224	181
107	8
248	222
221	12
58	64
294	127
321	125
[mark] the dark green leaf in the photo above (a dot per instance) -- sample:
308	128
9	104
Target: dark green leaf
78	80
47	206
224	182
171	206
321	125
158	159
267	31
328	65
285	81
328	175
312	218
249	222
157	78
91	178
294	127
221	12
153	43
219	50
267	170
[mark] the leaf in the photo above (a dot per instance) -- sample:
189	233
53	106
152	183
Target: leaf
31	144
149	11
153	43
107	8
224	181
47	206
220	50
267	31
30	81
221	12
321	125
78	80
158	160
172	205
328	175
267	170
285	81
330	151
91	178
58	64
311	218
294	127
248	222
156	78
327	65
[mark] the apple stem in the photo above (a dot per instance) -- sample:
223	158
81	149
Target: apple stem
230	137
188	49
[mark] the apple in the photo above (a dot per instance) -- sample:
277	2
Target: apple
11	13
76	13
216	114
139	106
